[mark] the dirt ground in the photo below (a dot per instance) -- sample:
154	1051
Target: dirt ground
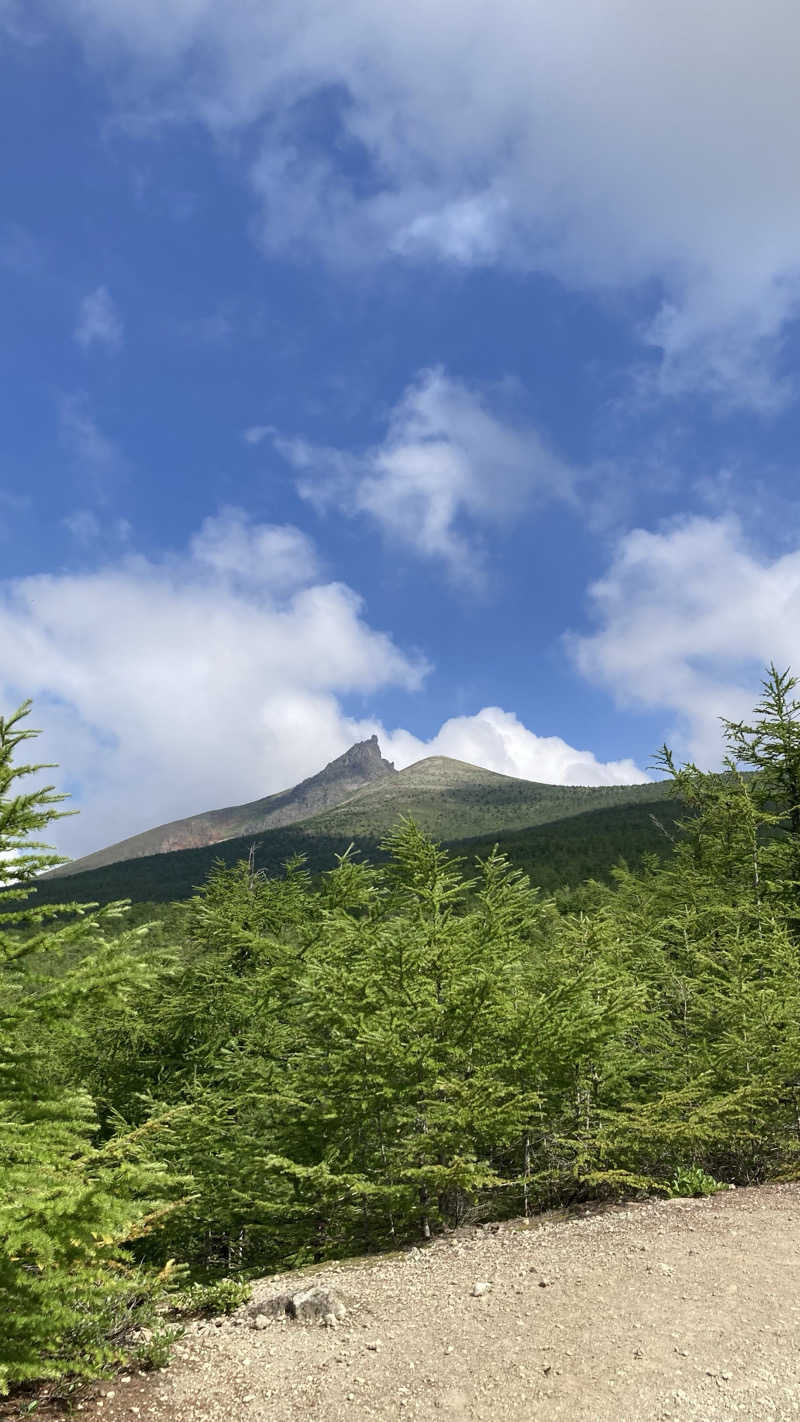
681	1309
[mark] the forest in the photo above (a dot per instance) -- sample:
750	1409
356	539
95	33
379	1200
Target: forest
294	1064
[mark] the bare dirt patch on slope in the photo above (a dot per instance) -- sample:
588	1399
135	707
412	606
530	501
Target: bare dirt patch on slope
686	1310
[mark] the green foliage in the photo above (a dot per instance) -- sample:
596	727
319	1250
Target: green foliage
154	1350
691	1180
220	1296
359	1059
68	1291
343	1060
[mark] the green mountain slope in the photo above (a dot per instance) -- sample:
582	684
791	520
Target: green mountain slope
560	835
453	800
589	845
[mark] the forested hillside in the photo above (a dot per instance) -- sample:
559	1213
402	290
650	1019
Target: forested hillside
562	852
297	1067
568	834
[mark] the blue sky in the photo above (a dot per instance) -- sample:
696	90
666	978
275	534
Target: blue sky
423	370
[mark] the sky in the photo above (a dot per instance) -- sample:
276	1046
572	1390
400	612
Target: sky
427	370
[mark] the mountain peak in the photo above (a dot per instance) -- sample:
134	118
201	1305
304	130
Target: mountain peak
357	768
364	757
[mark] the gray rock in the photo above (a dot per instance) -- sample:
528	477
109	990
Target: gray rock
314	1305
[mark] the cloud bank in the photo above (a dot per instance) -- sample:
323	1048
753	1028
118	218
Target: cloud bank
499	741
609	144
207	678
218	675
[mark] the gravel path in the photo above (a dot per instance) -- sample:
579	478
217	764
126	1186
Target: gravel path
684	1309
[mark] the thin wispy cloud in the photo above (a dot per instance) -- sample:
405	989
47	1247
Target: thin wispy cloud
99	322
447	469
88	529
256	434
20	250
93	453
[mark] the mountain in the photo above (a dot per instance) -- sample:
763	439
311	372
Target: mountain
451	799
361	765
560	834
560	853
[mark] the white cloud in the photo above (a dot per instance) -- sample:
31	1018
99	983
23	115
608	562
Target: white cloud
608	143
266	555
499	741
256	434
446	467
84	525
687	620
216	676
209	678
99	322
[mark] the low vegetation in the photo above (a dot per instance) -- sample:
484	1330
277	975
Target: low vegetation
291	1067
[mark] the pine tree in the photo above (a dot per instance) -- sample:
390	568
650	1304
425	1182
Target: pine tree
770	747
66	1205
367	1058
711	933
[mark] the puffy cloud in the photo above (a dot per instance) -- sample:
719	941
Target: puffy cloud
99	322
687	619
607	143
215	676
499	741
445	467
205	679
265	555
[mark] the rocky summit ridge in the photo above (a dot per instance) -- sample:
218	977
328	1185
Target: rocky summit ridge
358	767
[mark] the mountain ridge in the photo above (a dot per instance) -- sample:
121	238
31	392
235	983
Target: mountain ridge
452	799
361	764
584	829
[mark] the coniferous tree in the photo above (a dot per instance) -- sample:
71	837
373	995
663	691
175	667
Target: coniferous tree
65	1204
710	933
375	1055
